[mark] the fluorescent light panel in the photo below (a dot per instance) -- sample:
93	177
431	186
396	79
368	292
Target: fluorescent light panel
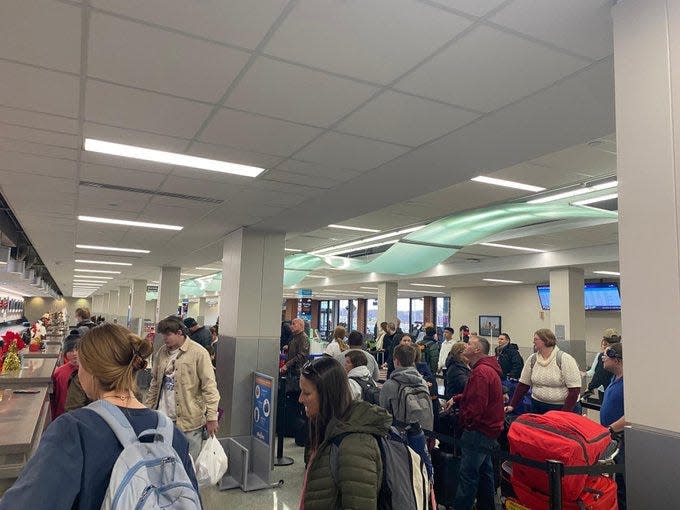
170	158
85	276
128	223
506	184
110	248
594	200
427	285
315	276
369	288
521	248
574	192
358	229
210	268
295	250
608	273
103	262
423	291
341	247
500	281
104	271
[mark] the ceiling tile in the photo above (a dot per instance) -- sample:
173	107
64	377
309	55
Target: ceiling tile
30	163
120	176
240	22
178	215
41	32
38	90
39	136
487	69
38	149
193	68
404	119
114	200
298	94
474	7
315	169
581	158
581	26
315	181
358	153
145	111
38	120
375	41
256	133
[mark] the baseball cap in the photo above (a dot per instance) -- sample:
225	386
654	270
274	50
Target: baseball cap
611	333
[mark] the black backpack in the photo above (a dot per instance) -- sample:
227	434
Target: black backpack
369	390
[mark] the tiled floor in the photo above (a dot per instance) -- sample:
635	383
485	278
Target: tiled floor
284	497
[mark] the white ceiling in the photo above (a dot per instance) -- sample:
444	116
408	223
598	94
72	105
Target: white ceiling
376	112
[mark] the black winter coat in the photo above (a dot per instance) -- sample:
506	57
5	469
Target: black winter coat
457	375
510	360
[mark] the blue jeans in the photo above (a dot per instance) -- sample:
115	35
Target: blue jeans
476	473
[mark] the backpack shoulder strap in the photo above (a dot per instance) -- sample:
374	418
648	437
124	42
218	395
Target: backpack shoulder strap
558	359
532	360
122	428
335	456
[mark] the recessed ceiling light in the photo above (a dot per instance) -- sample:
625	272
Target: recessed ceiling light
96	277
103	262
358	229
369	288
210	268
189	274
500	281
316	276
340	248
170	158
128	223
104	271
506	184
608	273
521	248
90	282
428	285
292	250
110	248
594	200
575	192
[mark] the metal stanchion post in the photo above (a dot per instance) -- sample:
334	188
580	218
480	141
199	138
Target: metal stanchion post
555	474
280	460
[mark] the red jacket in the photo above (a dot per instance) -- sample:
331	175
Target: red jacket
60	380
481	406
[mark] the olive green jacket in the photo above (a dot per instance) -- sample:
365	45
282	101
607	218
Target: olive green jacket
359	464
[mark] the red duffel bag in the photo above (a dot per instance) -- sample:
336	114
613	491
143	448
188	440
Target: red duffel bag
599	493
567	437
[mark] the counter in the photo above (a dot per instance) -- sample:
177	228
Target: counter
34	372
22	420
50	351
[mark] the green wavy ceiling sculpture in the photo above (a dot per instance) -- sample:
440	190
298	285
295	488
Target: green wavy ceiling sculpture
434	243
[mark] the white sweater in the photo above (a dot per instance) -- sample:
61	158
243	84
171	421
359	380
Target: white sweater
444	352
548	383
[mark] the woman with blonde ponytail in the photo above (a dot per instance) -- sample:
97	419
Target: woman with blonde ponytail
338	344
73	463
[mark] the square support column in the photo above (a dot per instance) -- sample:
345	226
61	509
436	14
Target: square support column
567	315
123	305
387	301
113	307
168	292
138	306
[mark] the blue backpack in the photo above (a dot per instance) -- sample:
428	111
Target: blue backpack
146	475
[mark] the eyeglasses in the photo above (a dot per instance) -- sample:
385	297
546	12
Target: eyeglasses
611	353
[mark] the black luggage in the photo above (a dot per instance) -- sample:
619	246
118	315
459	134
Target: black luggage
446	469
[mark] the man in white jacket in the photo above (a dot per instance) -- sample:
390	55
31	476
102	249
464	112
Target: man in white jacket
445	348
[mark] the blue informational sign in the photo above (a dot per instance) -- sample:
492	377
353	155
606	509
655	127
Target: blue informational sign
304	293
262	407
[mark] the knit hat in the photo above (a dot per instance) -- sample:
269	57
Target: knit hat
190	322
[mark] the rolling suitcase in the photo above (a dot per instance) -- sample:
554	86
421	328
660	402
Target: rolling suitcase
446	469
599	493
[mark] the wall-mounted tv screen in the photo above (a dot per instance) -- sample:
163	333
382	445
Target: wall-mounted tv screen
596	296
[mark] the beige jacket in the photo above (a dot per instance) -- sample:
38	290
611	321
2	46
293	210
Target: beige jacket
196	392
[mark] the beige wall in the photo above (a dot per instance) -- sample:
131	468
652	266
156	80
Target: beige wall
35	307
520	313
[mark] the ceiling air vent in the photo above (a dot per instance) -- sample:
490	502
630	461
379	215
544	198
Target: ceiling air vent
194	198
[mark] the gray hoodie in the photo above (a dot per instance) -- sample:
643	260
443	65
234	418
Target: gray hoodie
372	363
390	390
362	373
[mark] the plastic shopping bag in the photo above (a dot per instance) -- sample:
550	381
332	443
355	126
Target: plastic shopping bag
212	463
